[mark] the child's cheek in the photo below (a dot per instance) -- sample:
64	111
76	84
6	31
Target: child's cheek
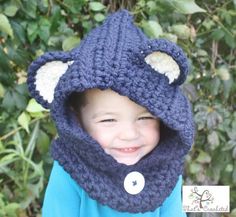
152	133
103	137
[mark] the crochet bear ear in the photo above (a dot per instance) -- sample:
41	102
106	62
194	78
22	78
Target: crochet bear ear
168	59
164	64
44	74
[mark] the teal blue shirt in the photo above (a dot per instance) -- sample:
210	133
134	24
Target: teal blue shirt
65	198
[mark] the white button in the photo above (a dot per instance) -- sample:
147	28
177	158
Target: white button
134	183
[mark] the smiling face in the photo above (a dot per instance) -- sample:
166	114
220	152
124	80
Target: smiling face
124	129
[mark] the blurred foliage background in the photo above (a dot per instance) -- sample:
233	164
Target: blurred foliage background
206	29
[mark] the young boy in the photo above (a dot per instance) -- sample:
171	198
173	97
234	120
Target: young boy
124	126
125	130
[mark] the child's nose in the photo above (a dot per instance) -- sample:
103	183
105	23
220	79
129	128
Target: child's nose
129	132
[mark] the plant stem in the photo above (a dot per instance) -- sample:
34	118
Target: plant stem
19	128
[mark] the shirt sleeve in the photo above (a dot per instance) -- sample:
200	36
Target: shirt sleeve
172	206
62	197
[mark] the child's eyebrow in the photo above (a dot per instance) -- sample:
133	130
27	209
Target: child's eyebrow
102	114
144	111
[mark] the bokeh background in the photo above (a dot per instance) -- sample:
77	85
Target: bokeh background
206	29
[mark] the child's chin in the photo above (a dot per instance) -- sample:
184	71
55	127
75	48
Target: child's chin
128	161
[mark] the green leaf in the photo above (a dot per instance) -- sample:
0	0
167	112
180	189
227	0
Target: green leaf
229	145
11	10
200	119
96	6
226	15
152	6
203	157
223	73
213	119
70	43
99	17
234	153
208	23
43	142
21	89
24	120
56	15
19	100
228	86
50	128
32	31
74	5
229	168
64	28
6	67
8	158
234	181
2	91
45	3
19	32
33	191
186	6
232	134
152	28
202	53
32	142
213	140
195	168
44	29
230	40
190	91
1	146
34	107
5	26
19	56
54	41
170	37
11	209
215	86
30	7
182	31
7	102
217	34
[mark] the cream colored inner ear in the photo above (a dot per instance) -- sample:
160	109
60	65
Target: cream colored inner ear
164	64
47	78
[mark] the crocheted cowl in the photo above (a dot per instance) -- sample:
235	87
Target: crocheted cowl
118	55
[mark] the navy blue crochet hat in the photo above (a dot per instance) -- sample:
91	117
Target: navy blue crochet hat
117	55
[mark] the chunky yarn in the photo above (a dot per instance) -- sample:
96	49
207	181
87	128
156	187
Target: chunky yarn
113	56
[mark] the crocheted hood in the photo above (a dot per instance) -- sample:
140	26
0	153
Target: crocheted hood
117	55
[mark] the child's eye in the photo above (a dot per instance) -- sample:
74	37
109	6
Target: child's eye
107	120
147	118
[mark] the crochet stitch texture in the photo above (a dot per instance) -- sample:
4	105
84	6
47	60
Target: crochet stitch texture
113	56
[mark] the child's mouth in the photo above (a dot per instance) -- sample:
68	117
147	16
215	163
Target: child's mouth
128	150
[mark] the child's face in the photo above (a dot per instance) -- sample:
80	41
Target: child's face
124	129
